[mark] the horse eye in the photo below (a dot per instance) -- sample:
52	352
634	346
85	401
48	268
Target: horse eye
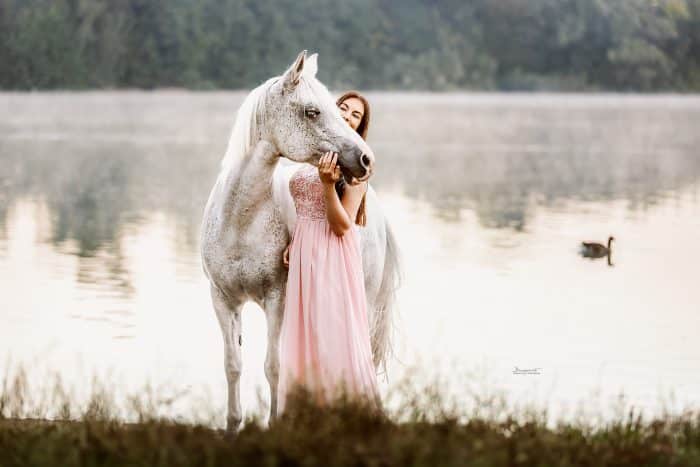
312	113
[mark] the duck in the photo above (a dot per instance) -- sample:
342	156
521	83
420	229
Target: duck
596	250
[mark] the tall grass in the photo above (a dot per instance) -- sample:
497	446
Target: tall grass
422	427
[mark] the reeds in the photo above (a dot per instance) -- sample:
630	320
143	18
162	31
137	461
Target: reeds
422	427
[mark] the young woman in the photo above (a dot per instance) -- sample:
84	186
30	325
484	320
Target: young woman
324	341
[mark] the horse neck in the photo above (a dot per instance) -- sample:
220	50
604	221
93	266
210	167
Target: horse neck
248	184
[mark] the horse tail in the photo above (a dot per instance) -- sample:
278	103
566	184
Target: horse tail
385	304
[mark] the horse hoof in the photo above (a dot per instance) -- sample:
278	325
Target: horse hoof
232	425
230	435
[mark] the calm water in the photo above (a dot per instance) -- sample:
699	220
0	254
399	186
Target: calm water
101	196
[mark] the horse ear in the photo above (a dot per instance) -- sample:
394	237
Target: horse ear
311	65
293	73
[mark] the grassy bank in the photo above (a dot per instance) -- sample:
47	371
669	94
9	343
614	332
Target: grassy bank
423	430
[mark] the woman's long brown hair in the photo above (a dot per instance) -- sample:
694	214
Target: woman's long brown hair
362	129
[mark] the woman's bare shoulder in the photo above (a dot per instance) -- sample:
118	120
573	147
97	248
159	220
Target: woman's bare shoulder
359	189
354	192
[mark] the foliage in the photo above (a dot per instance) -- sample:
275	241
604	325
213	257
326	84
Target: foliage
636	45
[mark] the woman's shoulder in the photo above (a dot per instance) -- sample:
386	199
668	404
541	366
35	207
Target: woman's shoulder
363	187
359	189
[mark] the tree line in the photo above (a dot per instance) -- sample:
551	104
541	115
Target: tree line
571	45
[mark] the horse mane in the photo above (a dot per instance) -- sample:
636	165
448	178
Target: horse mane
247	122
246	125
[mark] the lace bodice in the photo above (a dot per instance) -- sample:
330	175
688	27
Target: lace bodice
307	190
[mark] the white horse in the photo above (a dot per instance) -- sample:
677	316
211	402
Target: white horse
250	215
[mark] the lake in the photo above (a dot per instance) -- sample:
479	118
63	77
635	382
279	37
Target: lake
490	195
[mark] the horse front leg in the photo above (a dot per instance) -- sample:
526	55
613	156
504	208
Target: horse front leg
274	312
228	313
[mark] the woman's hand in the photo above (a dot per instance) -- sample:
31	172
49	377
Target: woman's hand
285	257
328	171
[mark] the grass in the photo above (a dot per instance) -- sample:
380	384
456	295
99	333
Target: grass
423	429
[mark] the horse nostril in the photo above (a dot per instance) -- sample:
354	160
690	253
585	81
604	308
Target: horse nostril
365	160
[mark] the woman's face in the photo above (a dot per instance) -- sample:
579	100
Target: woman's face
352	109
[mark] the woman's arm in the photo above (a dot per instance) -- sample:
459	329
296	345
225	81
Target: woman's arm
340	215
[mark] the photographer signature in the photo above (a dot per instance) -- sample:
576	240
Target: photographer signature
526	371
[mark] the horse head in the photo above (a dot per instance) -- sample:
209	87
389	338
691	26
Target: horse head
304	122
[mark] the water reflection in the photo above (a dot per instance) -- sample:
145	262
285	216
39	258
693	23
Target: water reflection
101	197
500	157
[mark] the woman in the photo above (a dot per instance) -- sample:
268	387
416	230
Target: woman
324	341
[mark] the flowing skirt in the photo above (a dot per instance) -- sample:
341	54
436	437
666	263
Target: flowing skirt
324	340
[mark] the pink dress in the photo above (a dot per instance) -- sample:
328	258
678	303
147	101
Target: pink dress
325	333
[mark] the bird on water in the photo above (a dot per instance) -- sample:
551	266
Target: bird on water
596	250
